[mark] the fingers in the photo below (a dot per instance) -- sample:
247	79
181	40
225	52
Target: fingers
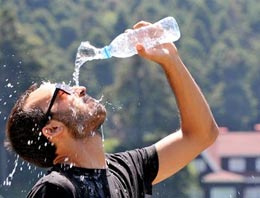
141	24
128	30
140	48
141	51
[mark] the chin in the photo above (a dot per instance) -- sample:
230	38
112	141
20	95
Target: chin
99	116
95	113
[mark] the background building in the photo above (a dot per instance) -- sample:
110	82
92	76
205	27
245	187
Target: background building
231	166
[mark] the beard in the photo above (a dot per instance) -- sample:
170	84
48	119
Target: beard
81	124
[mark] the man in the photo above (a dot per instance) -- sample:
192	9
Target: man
58	126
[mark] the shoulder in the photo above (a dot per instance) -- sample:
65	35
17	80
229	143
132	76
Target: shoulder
141	155
53	184
138	161
137	168
56	178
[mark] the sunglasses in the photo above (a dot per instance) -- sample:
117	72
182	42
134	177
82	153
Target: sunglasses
58	87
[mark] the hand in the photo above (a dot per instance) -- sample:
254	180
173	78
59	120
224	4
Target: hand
162	54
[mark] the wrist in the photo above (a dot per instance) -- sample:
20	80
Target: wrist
172	61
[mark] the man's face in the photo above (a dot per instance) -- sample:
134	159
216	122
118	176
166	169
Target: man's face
78	111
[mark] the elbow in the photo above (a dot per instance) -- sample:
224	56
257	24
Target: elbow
205	135
212	134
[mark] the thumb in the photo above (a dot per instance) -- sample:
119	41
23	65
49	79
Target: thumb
141	50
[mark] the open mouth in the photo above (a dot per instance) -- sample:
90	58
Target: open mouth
87	99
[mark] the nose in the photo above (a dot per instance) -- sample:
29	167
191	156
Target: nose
80	91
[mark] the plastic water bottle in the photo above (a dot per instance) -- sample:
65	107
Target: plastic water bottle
164	31
124	45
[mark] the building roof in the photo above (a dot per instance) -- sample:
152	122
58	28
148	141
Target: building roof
229	177
223	177
238	144
234	144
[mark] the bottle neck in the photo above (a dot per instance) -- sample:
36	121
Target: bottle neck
106	52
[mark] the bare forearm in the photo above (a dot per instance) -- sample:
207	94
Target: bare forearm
198	127
196	118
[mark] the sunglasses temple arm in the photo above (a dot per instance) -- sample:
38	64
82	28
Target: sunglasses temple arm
52	102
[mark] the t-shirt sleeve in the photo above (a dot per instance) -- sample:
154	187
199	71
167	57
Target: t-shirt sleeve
52	185
147	163
148	160
142	163
49	190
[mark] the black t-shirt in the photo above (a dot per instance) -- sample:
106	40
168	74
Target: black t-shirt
129	174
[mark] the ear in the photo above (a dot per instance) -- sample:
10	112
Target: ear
53	128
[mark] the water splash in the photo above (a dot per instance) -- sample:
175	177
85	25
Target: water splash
86	52
76	75
112	106
9	178
100	99
102	134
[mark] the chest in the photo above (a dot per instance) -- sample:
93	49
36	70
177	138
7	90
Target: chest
113	185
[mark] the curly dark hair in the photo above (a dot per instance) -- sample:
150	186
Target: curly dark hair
24	136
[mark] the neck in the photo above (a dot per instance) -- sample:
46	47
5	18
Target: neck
84	153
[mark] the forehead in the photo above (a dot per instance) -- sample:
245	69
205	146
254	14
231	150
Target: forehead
40	96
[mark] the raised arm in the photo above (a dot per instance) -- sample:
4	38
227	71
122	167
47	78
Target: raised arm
198	128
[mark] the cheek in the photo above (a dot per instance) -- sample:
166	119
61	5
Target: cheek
91	108
87	110
83	112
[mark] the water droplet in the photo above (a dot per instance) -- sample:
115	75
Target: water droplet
81	178
99	185
92	133
80	128
9	85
